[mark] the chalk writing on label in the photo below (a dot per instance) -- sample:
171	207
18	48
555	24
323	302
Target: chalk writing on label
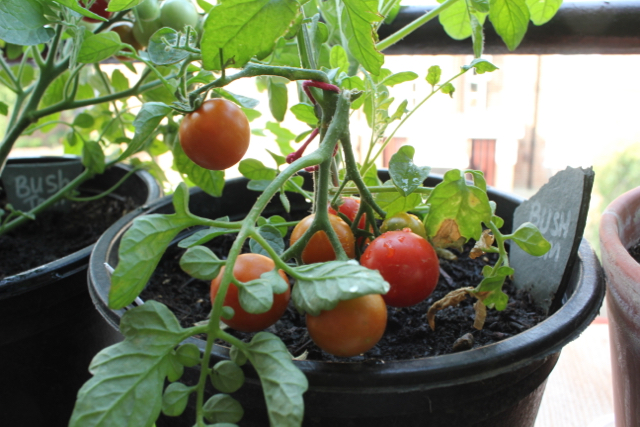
553	224
35	190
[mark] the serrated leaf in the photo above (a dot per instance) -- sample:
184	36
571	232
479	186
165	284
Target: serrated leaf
142	246
256	296
210	181
457	211
305	113
531	240
283	384
455	20
93	157
255	169
22	22
394	202
145	124
175	399
226	376
321	286
243	30
543	10
126	388
200	262
164	47
358	17
406	176
510	19
99	47
222	408
272	236
401	77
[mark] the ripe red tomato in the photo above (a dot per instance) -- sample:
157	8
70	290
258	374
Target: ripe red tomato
99	7
216	135
319	247
349	208
352	328
407	262
249	267
402	220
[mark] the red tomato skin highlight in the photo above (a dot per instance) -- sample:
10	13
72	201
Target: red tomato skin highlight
408	262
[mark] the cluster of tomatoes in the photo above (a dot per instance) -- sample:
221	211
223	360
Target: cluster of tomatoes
150	16
401	254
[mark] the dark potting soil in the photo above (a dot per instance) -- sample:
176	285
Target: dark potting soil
407	335
54	235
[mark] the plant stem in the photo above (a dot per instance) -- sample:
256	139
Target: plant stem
411	27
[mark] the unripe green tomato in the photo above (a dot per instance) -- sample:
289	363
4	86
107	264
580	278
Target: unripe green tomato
177	14
143	30
402	220
148	10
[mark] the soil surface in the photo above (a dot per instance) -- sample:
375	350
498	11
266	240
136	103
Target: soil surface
54	235
634	251
407	335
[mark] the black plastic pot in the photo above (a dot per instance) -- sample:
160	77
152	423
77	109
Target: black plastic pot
496	385
49	328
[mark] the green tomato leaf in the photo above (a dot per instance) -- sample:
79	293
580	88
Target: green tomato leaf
402	77
305	113
256	296
188	355
226	376
126	388
142	247
254	169
339	59
175	399
321	286
145	124
22	22
477	35
457	211
510	19
203	236
272	236
222	408
200	262
394	202
481	6
405	174
4	108
243	101
448	89
118	5
83	120
243	30
531	240
543	10
283	137
93	157
278	98
99	47
163	46
433	75
481	65
283	384
358	18
275	221
119	81
455	20
237	356
210	181
495	297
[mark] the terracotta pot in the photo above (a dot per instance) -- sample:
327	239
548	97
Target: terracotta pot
496	385
620	230
49	329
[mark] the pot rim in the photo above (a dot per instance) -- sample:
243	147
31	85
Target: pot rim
615	218
42	275
538	342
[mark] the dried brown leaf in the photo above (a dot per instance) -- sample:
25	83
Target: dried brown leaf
452	299
448	235
481	246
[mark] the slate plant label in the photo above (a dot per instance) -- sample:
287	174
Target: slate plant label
559	210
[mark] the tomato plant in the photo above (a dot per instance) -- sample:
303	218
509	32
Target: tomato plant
216	135
99	7
408	262
250	267
148	10
177	14
319	248
402	220
349	208
125	31
351	328
143	30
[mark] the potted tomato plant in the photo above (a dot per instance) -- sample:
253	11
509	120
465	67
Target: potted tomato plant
59	70
344	272
619	238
